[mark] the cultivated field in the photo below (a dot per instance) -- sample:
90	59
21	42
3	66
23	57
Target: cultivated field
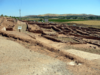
36	19
88	22
63	20
85	23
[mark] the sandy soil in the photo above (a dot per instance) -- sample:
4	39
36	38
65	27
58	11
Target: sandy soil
85	55
91	46
77	70
17	60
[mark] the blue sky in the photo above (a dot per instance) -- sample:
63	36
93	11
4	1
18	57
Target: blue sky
36	7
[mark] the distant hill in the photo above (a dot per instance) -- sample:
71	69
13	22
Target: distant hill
66	16
58	15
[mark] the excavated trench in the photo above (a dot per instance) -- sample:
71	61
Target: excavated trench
30	41
58	29
79	32
52	49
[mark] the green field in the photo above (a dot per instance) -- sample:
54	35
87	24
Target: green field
63	20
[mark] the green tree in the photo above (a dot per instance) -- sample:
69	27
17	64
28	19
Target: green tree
6	16
2	15
40	19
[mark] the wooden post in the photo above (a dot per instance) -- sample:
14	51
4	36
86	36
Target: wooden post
19	30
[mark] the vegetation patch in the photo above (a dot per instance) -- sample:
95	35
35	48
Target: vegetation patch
63	20
87	22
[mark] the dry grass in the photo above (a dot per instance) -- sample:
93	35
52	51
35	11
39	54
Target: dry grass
88	22
33	18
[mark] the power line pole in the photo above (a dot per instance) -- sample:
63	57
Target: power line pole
20	13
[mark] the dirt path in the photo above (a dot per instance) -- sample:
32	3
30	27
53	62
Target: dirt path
17	60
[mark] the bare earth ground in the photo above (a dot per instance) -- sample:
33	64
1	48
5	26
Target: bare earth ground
76	69
17	60
85	55
35	55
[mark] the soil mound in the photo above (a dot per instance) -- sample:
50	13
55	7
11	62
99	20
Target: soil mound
34	28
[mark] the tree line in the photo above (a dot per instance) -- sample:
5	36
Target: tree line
88	17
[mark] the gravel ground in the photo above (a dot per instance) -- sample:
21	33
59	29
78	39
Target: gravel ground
17	60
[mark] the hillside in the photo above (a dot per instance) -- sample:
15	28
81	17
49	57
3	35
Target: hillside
66	16
61	15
